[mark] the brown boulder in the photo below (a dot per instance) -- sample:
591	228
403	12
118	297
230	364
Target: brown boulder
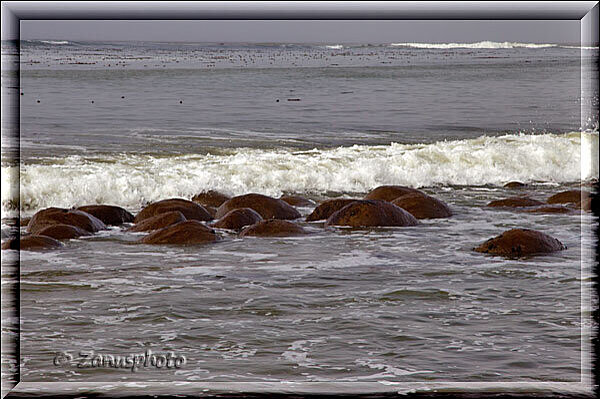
24	221
515	184
212	211
423	206
159	221
295	200
182	233
210	198
51	216
267	207
62	232
273	228
190	210
109	214
390	193
328	208
368	213
519	242
548	209
571	196
515	202
237	219
32	242
585	204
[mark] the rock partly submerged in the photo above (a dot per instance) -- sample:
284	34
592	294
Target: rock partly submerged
32	242
63	232
423	206
110	215
189	209
52	216
267	207
390	193
327	208
548	209
570	197
520	242
238	219
296	200
515	184
273	228
158	222
189	232
515	202
210	198
371	213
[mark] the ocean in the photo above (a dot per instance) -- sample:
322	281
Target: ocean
129	123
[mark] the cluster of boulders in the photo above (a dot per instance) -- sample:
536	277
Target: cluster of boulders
210	215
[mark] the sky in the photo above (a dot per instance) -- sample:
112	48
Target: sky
307	31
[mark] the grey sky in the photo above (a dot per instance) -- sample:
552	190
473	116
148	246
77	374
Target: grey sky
383	31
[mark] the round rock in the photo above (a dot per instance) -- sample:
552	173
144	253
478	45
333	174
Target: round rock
371	213
520	242
515	202
183	233
571	196
190	210
159	221
515	184
52	216
109	214
32	242
63	232
267	207
423	206
390	193
328	208
237	219
296	200
210	198
273	228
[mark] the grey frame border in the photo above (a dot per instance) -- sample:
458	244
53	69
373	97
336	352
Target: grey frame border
585	11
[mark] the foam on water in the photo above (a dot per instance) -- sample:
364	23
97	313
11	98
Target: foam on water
478	45
130	180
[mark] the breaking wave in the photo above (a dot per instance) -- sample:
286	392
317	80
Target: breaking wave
477	45
130	180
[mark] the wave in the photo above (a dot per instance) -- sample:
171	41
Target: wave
477	45
58	42
130	180
334	47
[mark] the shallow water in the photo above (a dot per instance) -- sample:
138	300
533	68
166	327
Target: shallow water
412	304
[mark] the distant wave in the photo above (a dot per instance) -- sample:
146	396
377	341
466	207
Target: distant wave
334	46
57	42
477	45
129	180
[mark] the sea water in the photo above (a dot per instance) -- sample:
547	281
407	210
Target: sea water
130	123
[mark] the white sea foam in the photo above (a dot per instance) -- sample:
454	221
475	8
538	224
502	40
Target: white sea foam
58	42
130	180
477	45
334	47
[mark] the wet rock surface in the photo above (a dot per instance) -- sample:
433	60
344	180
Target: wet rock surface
159	221
520	242
273	228
371	213
109	214
189	209
423	206
237	219
267	207
328	208
183	233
